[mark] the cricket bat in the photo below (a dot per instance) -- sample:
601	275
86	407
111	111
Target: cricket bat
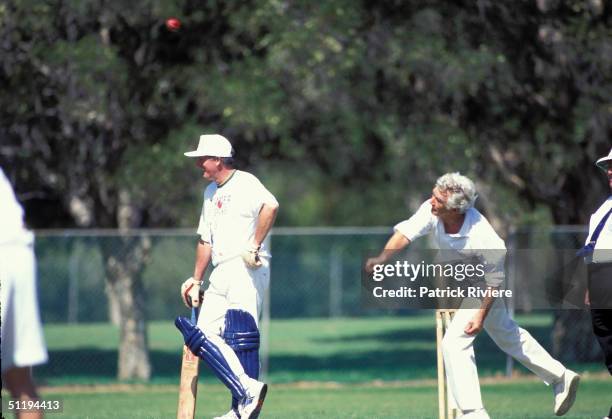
188	387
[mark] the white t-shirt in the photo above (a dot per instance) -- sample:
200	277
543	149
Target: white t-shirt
12	230
475	238
604	242
229	215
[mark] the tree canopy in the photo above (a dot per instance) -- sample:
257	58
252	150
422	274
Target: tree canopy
348	110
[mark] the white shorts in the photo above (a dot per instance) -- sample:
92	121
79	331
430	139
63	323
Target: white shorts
22	338
233	286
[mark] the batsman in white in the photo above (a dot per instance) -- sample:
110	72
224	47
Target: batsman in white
23	345
455	224
237	214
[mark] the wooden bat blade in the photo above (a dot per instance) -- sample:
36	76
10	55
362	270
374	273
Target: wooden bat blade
188	387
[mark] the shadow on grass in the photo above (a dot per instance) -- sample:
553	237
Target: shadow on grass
392	360
85	365
392	363
540	333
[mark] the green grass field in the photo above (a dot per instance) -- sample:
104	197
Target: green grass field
319	368
523	398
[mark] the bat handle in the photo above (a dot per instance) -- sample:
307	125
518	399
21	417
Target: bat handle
195	312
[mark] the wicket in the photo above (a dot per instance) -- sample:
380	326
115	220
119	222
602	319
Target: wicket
446	405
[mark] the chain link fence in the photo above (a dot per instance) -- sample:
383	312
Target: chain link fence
315	272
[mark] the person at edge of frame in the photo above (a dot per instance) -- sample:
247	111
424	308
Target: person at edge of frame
450	215
237	214
597	253
23	344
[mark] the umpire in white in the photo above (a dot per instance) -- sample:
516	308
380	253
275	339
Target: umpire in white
598	254
22	342
449	215
237	214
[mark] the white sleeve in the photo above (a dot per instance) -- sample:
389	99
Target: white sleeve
204	225
11	214
419	224
258	196
591	228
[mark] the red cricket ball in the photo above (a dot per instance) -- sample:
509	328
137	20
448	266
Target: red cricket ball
173	24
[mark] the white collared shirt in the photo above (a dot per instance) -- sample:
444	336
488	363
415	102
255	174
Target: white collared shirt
604	242
229	215
476	236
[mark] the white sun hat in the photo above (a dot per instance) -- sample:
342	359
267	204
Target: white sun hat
213	145
602	163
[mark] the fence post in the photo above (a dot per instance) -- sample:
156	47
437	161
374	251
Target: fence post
264	349
73	282
335	282
511	272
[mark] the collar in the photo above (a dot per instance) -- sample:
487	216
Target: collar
231	175
465	227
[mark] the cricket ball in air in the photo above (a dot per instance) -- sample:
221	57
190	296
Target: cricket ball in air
173	24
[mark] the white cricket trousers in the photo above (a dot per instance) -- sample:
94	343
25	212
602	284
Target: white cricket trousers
232	286
460	361
22	338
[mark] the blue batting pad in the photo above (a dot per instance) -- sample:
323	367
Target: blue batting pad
242	335
210	353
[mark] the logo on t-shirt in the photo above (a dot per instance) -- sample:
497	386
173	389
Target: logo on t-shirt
221	203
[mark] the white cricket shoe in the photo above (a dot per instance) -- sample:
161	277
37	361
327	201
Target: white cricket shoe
250	406
475	414
565	392
232	414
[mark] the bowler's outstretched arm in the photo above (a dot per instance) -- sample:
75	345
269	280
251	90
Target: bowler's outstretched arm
396	243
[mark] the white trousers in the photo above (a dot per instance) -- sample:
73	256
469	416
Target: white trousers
232	286
22	339
460	361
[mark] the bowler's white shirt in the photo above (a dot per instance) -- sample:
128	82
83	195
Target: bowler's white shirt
604	242
229	215
12	230
476	234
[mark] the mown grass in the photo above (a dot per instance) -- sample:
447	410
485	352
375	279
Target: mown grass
521	399
340	350
378	367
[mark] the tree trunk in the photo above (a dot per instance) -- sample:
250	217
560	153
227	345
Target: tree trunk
126	258
114	310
